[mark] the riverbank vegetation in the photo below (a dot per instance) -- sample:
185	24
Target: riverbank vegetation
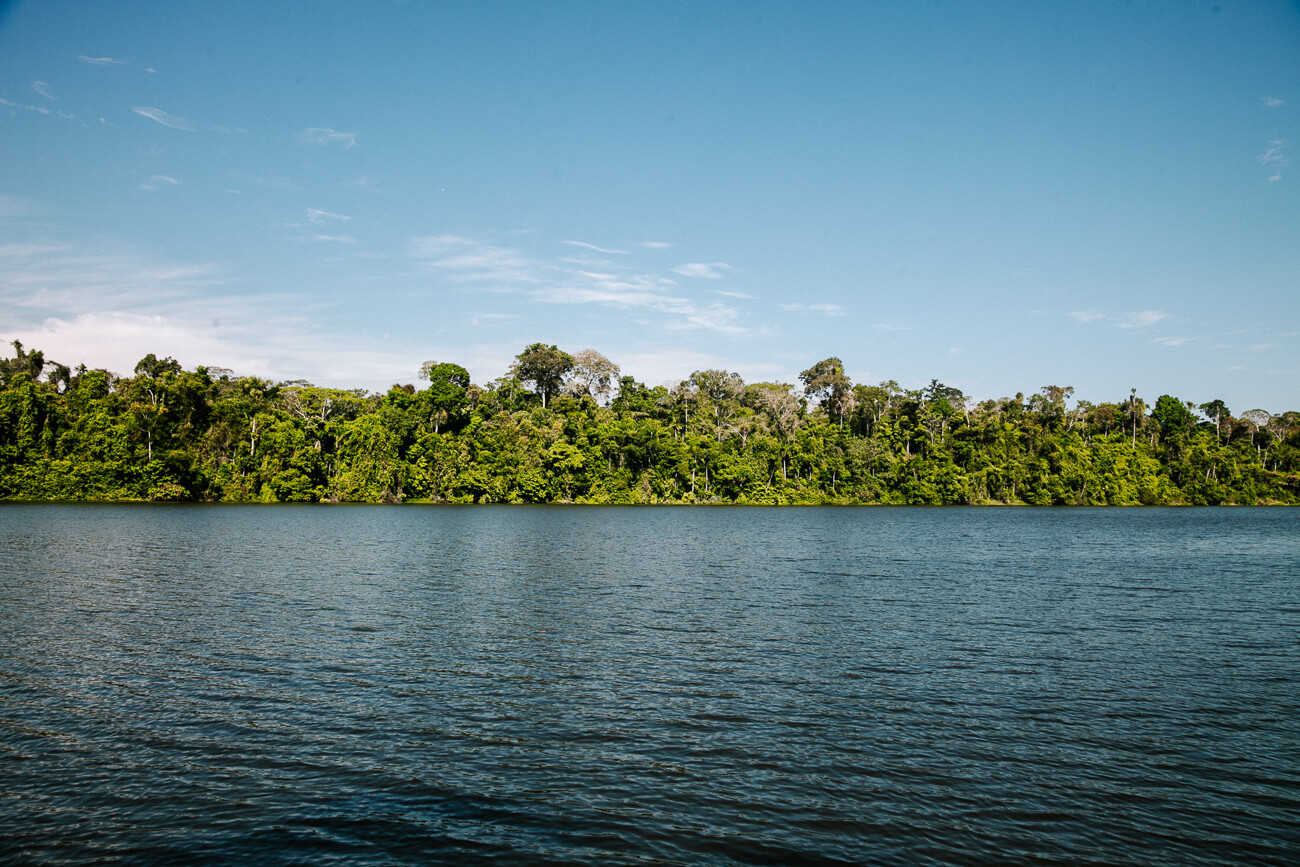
561	427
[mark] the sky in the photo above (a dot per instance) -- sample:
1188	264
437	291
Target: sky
997	195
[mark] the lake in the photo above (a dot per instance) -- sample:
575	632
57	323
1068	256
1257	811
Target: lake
570	685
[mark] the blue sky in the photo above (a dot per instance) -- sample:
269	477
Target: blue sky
997	195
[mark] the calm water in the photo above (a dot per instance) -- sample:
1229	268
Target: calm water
380	685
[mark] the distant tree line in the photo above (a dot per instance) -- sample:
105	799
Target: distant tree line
561	427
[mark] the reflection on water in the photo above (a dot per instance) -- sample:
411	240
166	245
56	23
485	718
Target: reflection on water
591	685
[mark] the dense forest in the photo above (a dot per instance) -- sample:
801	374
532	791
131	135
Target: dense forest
560	427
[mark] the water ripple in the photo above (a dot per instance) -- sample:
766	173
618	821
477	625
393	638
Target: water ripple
667	686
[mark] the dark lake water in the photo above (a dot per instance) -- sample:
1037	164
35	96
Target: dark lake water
410	685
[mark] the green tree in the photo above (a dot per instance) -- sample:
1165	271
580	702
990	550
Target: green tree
827	382
1174	417
545	367
1217	412
446	396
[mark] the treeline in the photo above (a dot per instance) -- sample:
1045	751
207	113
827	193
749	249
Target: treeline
567	428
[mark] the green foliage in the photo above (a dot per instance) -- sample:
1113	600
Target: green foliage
170	434
545	367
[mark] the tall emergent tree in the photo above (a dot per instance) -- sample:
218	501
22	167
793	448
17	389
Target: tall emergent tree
445	397
1216	411
827	382
544	366
592	374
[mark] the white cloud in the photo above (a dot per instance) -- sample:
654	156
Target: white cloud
34	108
153	182
480	319
823	309
656	245
320	216
322	135
643	292
1171	341
85	305
1274	157
707	270
594	247
571	280
23	251
338	239
1259	347
1274	102
37	108
667	366
159	116
1136	319
63	279
277	348
43	89
101	61
896	324
465	260
729	294
21	207
1141	319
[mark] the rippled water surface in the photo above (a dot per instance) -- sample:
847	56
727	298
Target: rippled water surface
408	685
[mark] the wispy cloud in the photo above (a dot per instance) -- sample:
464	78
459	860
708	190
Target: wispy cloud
1171	341
365	182
575	281
670	365
153	182
1259	347
481	319
594	247
320	216
323	135
1141	319
823	309
895	324
37	108
9	252
21	208
1136	319
646	292
1274	102
469	261
275	345
43	89
656	245
707	270
107	308
335	239
64	277
101	61
159	116
726	293
1274	158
